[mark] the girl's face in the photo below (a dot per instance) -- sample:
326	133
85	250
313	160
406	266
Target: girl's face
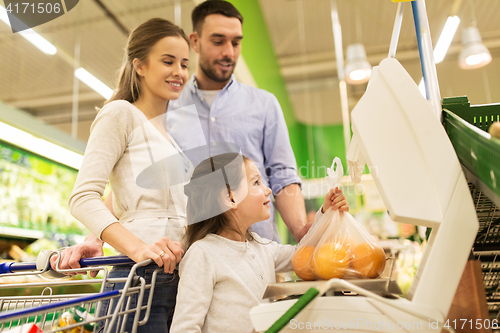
255	207
166	71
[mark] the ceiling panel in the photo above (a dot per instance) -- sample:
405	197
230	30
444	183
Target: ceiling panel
311	60
306	56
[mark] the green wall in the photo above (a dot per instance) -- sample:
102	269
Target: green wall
326	143
257	49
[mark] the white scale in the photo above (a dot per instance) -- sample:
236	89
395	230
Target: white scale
420	180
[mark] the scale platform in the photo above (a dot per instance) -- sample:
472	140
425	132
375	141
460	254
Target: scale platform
384	287
340	309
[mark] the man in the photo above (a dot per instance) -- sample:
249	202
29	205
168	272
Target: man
230	111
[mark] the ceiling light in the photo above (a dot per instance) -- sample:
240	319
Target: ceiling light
94	83
357	69
442	45
3	16
41	43
445	38
474	54
39	146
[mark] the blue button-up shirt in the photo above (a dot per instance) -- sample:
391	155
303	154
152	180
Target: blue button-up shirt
249	117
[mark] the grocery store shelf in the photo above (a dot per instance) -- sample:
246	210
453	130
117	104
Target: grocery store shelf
12	232
467	127
471	177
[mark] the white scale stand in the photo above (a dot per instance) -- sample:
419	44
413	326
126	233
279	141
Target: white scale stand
418	175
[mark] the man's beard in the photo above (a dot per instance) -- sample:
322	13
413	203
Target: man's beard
211	72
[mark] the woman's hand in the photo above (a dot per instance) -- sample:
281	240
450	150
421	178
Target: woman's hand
70	257
165	253
334	198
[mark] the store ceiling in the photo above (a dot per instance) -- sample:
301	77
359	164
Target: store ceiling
43	85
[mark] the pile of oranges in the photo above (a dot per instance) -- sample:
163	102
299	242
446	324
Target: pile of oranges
335	259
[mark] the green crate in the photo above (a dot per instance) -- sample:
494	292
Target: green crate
476	151
481	116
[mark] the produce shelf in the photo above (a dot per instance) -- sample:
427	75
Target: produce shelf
466	126
479	155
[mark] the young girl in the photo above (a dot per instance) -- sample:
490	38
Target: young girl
127	137
226	269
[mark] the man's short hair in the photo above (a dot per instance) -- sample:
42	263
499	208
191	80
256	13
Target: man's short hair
210	7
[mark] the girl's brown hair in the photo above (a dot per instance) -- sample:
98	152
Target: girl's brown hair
206	196
139	45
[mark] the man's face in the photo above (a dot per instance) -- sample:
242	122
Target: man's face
219	46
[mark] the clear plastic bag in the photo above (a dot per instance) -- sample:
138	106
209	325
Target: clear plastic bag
338	246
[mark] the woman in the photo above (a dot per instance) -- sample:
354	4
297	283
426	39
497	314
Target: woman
127	140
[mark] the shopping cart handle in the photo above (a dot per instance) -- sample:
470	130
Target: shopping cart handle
13	267
106	261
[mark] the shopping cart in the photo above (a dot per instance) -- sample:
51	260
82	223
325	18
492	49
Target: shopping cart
81	312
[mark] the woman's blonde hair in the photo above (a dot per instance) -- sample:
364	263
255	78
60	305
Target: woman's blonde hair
139	45
206	197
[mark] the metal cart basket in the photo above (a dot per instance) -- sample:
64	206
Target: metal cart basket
72	313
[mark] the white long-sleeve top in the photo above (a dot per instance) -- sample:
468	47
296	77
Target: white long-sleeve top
221	280
123	144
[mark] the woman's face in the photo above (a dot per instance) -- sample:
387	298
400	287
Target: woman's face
166	71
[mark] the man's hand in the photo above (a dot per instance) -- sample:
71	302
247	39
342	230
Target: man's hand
70	257
302	232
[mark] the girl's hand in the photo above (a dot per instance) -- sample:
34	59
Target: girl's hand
334	198
165	253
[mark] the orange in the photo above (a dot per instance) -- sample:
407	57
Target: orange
368	259
301	263
331	260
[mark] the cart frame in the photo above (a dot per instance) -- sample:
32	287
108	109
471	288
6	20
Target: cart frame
45	309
